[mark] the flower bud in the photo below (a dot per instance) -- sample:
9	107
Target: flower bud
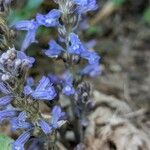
25	65
5	56
11	53
2	60
75	59
5	77
17	62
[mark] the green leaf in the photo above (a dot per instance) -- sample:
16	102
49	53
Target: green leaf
5	142
118	2
147	15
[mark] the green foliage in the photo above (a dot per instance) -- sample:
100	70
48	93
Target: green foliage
5	142
147	15
118	2
26	12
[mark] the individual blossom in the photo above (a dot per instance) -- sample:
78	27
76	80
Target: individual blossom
4	88
54	49
43	91
56	121
92	57
55	79
26	60
92	70
85	5
46	128
5	100
20	142
49	20
7	114
20	122
67	84
31	27
57	117
30	81
77	48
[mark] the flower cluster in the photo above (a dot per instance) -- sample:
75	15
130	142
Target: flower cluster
14	64
19	104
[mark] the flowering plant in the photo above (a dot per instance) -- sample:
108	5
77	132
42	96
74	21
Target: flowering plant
21	96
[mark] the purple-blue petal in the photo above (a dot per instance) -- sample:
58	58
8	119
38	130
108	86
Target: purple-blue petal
45	94
20	122
43	91
6	114
57	114
26	25
20	142
92	70
30	81
29	39
4	89
27	90
50	19
54	49
21	55
86	5
68	90
45	126
5	100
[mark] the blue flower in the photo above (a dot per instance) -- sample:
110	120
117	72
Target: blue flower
85	5
68	88
7	114
78	48
30	81
20	142
44	90
54	79
57	116
92	57
25	59
91	70
55	122
20	122
54	49
31	27
5	100
4	88
49	20
45	126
